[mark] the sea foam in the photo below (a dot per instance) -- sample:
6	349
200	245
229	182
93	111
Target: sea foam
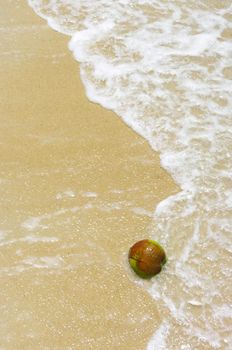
165	68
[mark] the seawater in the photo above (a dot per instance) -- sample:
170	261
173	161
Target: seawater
165	68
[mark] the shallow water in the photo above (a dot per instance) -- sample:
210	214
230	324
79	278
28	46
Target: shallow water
165	69
78	187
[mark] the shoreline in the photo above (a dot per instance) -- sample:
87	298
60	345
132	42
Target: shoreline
79	188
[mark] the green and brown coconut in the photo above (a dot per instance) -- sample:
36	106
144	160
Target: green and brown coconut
147	258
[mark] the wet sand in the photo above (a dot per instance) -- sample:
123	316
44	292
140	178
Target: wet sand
78	187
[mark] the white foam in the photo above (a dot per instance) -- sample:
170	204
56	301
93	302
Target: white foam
65	194
157	341
89	194
142	212
44	239
48	262
33	223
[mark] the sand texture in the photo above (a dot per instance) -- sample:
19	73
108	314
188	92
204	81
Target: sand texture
78	188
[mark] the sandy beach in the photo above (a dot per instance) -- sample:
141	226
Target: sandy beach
78	188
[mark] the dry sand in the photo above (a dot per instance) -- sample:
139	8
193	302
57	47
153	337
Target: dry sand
78	187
